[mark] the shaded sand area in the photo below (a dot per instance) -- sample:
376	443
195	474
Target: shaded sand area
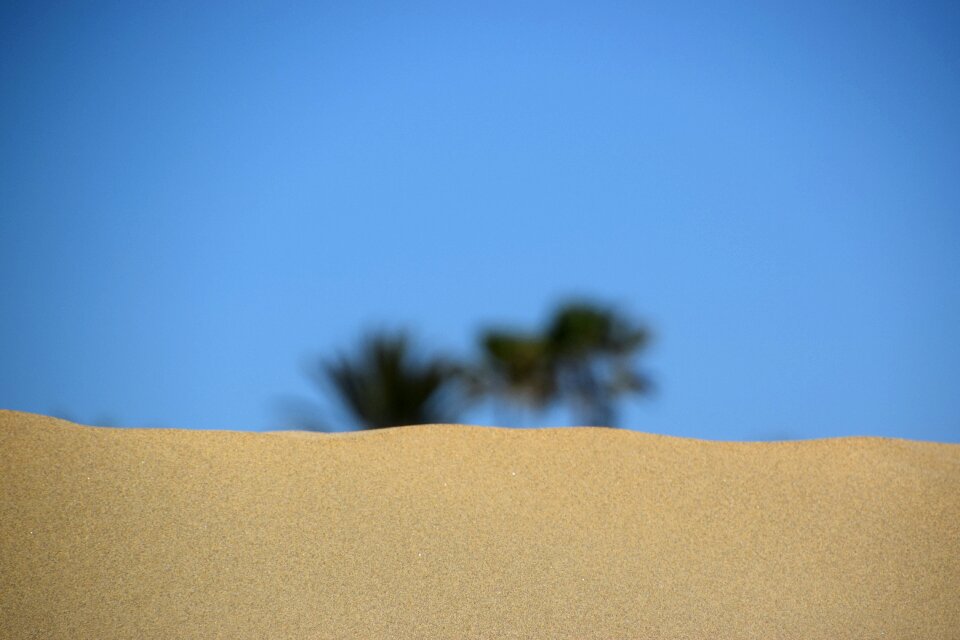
465	532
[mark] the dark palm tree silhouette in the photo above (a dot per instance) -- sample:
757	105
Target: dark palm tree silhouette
516	367
592	349
583	358
386	383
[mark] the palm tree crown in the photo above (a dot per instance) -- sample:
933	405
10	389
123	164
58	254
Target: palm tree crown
387	384
583	357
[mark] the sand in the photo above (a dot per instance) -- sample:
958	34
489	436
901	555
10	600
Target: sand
448	531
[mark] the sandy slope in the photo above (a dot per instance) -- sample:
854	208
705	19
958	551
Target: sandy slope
455	532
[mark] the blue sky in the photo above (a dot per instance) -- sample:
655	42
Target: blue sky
194	197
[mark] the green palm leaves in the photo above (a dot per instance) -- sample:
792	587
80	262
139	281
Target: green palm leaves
387	383
582	358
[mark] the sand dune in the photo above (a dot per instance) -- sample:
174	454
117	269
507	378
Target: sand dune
463	532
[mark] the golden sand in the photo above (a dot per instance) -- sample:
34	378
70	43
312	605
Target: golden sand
467	532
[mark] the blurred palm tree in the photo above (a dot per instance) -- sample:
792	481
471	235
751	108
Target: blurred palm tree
583	357
386	383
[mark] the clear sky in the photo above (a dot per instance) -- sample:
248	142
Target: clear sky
196	196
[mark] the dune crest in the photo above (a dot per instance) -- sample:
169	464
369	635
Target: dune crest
449	532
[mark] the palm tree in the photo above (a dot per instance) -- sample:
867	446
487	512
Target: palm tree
583	358
592	348
386	383
517	366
